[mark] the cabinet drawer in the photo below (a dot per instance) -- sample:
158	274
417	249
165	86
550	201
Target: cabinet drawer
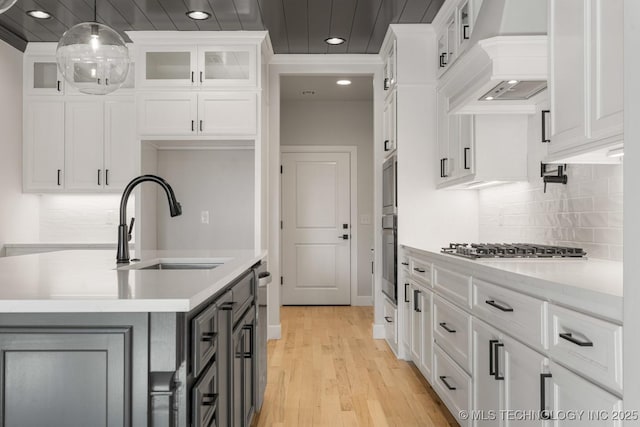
390	324
452	328
520	315
452	384
204	338
455	286
403	263
590	346
242	294
205	398
421	271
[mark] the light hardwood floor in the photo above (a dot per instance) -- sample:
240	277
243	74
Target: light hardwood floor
328	371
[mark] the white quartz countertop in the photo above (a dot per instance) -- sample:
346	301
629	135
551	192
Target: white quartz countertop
589	285
89	281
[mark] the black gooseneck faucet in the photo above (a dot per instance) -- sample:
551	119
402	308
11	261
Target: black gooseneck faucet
124	233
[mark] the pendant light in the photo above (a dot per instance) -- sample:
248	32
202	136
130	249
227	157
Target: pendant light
6	4
93	57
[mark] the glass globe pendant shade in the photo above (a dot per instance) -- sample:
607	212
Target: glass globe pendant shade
93	58
6	4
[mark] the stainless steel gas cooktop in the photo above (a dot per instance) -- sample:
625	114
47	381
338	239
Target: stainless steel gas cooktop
512	250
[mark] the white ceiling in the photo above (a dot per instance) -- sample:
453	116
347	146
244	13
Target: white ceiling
325	88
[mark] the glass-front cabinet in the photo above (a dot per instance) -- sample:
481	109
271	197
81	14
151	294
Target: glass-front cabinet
464	21
198	66
42	76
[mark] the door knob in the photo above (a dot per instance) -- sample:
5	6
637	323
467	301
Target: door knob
344	237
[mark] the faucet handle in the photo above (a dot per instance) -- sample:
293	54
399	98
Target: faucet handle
133	220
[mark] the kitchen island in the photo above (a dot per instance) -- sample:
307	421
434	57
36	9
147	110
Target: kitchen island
83	342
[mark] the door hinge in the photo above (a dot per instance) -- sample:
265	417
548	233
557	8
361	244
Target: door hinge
281	280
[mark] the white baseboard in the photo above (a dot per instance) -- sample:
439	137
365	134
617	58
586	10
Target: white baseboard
274	332
378	332
362	301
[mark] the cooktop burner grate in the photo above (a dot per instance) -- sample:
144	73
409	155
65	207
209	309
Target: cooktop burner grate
512	250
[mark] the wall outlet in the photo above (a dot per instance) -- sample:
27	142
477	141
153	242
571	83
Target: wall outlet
110	217
204	217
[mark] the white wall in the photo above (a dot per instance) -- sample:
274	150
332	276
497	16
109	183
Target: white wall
218	181
339	123
18	212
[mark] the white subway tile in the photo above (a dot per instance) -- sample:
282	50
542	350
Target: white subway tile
615	185
615	219
611	203
616	252
608	235
594	219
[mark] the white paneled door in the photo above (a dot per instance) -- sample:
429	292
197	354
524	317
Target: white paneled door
316	229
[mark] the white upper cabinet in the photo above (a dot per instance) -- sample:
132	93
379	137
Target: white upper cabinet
585	79
389	124
41	76
121	158
167	113
227	113
84	135
390	66
43	145
194	66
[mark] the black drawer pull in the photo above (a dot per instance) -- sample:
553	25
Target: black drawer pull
500	307
388	319
417	309
208	336
387	84
444	326
466	150
419	270
406	285
386	145
405	263
544	414
496	355
444	381
569	337
209	399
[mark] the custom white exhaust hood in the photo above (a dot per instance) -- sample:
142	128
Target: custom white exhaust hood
504	70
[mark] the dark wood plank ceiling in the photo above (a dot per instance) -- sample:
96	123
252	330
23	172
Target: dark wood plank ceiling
295	26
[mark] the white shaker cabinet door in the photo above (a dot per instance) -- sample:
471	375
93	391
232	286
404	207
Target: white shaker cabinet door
43	145
121	161
227	113
606	87
83	148
487	389
167	114
567	72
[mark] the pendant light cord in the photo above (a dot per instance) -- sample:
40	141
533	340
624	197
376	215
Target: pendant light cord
95	10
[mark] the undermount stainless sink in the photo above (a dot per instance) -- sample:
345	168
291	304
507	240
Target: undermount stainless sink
180	266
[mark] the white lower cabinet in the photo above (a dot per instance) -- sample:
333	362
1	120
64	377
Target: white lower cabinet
453	385
574	401
421	321
390	325
507	379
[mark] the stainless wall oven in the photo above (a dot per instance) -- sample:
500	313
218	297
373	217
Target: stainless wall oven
389	186
389	257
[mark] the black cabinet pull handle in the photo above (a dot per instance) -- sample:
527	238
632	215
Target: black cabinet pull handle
492	369
209	399
443	168
192	75
387	83
419	270
444	381
106	177
544	414
465	32
404	263
406	285
201	125
59	172
388	319
569	337
386	145
417	309
99	173
208	336
496	355
251	352
544	126
193	125
58	86
200	76
500	307
466	150
444	326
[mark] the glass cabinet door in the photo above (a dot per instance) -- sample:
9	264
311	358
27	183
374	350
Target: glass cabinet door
451	41
227	66
442	52
43	77
170	66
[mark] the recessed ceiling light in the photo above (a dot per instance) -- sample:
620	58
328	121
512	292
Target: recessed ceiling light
38	14
344	82
489	98
512	82
198	15
334	40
